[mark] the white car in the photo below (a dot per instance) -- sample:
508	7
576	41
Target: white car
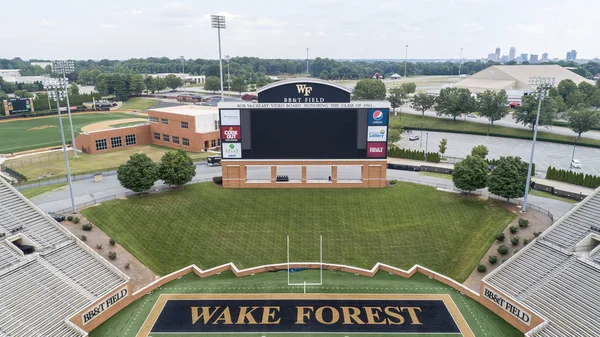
575	163
413	137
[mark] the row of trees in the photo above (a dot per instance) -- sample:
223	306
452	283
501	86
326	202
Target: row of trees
581	179
139	173
396	152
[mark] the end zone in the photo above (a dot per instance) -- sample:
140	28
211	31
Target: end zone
305	313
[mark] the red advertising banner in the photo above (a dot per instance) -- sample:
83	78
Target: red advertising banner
231	133
376	149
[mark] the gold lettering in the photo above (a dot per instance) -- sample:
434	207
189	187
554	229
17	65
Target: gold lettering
304	89
335	315
246	315
351	314
225	317
268	315
413	314
206	314
301	314
397	314
371	315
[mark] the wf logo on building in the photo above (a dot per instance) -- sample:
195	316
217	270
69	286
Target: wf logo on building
304	89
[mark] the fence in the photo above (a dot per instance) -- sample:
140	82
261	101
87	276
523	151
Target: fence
34	160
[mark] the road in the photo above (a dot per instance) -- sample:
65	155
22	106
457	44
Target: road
546	154
88	190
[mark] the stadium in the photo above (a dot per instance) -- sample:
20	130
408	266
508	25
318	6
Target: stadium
54	284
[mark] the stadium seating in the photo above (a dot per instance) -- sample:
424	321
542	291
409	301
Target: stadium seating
577	225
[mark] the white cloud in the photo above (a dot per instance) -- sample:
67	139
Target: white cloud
529	27
137	12
108	27
45	23
321	34
470	26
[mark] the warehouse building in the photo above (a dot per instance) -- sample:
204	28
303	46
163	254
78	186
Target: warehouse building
188	127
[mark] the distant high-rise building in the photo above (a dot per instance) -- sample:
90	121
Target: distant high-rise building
524	57
533	58
492	57
512	54
572	55
504	58
544	57
498	54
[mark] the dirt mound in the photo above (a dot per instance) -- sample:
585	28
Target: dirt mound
41	127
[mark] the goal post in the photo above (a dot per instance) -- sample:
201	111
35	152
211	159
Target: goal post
304	284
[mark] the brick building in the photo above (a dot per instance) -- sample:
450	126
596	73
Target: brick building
189	127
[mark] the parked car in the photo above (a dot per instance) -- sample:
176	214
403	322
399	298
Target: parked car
514	105
57	217
575	163
472	115
413	137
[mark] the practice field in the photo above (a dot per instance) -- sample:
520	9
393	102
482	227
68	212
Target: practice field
481	321
35	133
208	226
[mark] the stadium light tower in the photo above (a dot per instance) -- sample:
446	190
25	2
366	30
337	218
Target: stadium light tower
460	62
227	58
542	84
57	88
64	68
182	64
218	22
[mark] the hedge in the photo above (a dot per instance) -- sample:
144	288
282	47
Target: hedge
396	152
570	177
566	124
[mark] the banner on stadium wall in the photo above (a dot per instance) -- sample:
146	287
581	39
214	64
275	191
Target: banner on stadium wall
99	308
507	305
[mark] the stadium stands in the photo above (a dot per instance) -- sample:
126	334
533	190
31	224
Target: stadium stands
39	291
557	277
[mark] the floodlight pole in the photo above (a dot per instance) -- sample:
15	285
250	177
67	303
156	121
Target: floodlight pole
460	61
228	76
218	22
543	84
70	120
62	136
307	73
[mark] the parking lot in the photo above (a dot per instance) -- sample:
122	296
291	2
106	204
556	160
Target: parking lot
546	154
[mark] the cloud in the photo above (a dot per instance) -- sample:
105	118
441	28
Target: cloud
108	27
45	23
409	28
529	27
471	26
321	34
137	12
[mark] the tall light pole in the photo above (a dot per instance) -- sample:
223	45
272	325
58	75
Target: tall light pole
405	61
460	63
227	58
182	64
307	62
218	22
66	67
57	88
573	155
543	84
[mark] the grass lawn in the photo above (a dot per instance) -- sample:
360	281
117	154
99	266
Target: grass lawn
32	192
53	164
139	103
129	320
206	225
550	196
436	175
442	124
34	133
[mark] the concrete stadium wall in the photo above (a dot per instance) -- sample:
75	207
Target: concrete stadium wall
537	321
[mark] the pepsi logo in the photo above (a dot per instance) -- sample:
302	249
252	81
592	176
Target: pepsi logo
377	115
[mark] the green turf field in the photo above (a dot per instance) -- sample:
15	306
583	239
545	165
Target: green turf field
402	225
139	103
482	321
29	134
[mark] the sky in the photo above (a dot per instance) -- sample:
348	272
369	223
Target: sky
340	29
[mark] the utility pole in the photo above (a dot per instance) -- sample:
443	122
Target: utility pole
543	84
307	73
405	61
218	22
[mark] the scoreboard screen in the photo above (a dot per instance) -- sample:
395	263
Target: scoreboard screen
16	105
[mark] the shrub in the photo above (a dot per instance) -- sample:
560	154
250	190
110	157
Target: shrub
70	218
536	234
503	250
500	237
218	180
87	227
111	242
393	182
492	259
112	255
515	240
526	241
99	246
481	268
523	223
76	220
83	238
127	265
513	229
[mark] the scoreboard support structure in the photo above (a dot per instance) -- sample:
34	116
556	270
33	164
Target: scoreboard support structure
304	133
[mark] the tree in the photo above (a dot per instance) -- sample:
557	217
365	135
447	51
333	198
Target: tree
138	174
575	98
480	151
454	102
150	84
443	146
137	84
492	105
508	178
160	83
527	112
395	132
23	94
176	168
470	174
73	89
566	87
173	82
212	83
582	119
396	98
369	89
598	83
408	87
239	84
9	87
